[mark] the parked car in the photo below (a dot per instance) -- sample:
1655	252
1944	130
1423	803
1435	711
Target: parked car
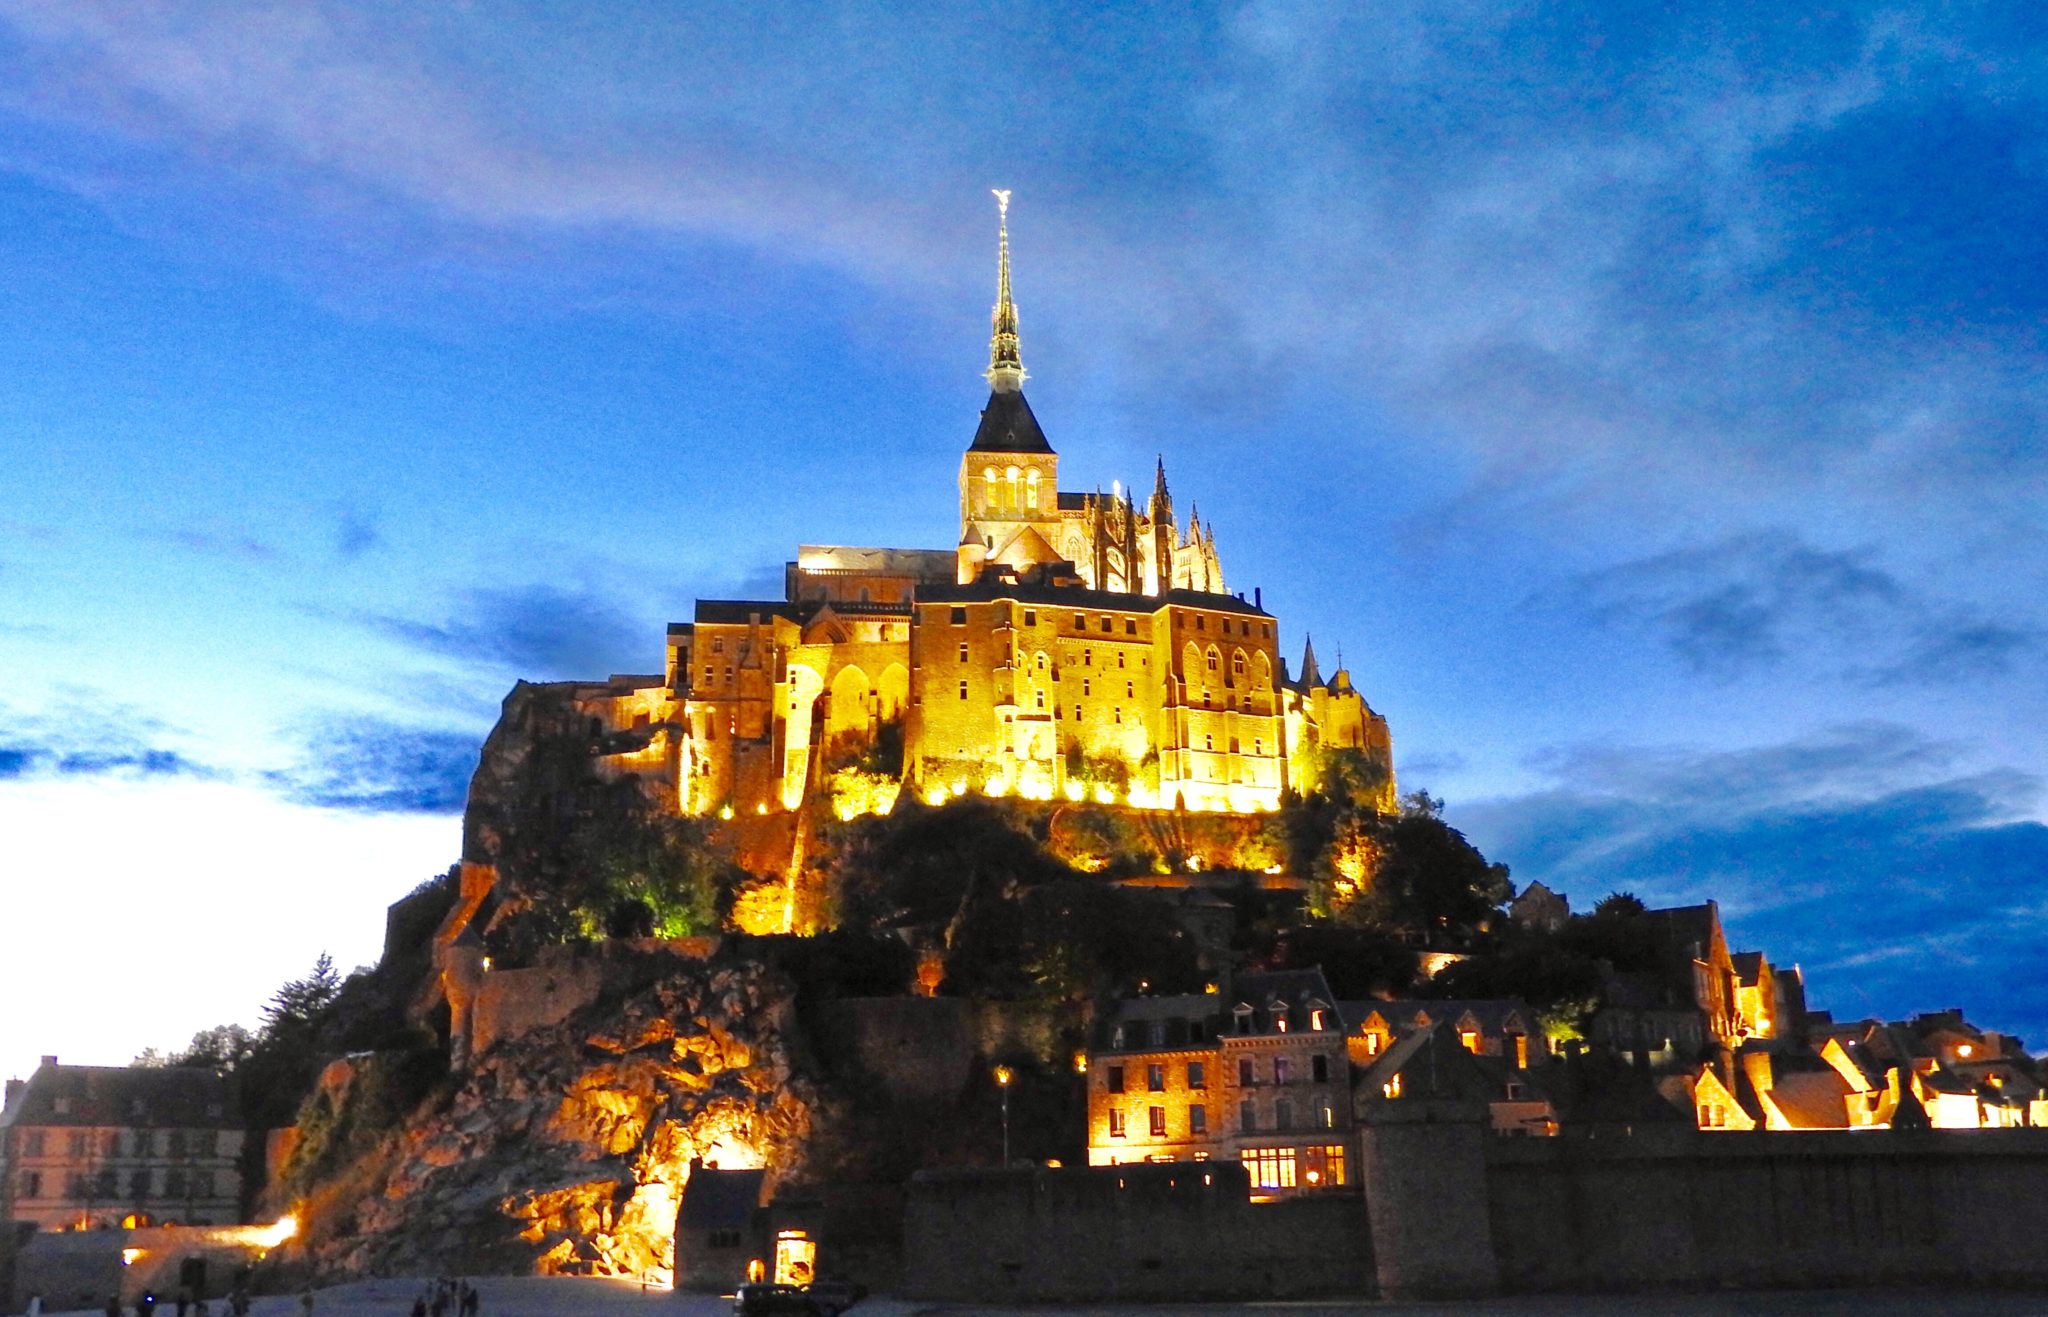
832	1297
774	1301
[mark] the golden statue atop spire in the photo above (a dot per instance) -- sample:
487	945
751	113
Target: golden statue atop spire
1005	364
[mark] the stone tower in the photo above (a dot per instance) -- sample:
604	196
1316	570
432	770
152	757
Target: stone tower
1009	477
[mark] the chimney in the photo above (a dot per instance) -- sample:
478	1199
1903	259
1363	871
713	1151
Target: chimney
1258	597
14	1087
49	1060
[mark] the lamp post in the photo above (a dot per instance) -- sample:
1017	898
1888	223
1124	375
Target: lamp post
1003	1077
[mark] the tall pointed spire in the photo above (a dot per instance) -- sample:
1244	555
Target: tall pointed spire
1005	364
1311	676
1159	495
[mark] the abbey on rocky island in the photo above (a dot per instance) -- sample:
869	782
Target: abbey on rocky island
1072	645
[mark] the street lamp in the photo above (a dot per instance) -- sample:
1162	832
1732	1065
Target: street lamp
1003	1077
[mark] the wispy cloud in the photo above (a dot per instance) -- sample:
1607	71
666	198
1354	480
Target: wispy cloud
227	544
540	631
1900	883
1756	600
110	745
372	765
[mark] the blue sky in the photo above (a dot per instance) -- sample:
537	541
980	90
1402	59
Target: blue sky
1648	399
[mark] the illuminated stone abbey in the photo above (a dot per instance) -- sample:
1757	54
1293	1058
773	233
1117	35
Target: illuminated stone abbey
1071	645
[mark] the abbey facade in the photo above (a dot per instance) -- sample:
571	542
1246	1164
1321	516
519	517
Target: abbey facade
1071	645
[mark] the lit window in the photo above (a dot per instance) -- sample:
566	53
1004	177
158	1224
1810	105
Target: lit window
1470	1038
1318	1018
1373	1043
1326	1115
1392	1088
1270	1168
1158	1122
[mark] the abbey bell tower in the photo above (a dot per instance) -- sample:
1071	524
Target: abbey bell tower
1009	477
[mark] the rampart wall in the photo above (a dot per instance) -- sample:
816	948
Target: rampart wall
1684	1208
1134	1233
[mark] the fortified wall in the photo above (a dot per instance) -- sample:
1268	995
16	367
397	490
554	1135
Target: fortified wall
1449	1209
1136	1233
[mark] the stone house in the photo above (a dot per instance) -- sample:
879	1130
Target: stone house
1258	1075
83	1147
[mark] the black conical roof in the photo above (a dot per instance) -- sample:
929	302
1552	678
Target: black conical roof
1007	426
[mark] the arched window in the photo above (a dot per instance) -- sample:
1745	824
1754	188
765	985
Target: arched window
1016	495
1237	664
1215	659
1031	490
991	492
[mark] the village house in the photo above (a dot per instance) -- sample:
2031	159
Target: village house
84	1147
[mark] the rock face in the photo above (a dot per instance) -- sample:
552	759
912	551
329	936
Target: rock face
565	1143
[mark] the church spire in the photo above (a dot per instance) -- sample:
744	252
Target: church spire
1311	676
1005	364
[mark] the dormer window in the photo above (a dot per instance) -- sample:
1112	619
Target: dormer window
1244	1019
1318	1018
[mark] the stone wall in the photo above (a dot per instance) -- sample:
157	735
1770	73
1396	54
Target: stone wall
1683	1208
1185	1231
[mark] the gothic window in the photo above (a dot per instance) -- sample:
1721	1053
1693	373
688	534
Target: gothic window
1215	659
1031	491
1237	664
992	493
1015	495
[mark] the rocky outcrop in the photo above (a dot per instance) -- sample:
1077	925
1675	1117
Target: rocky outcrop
564	1144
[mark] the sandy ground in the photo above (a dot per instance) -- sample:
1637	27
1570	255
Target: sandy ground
563	1297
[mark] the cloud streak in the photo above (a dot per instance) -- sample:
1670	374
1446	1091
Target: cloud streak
1758	600
540	632
1899	883
374	766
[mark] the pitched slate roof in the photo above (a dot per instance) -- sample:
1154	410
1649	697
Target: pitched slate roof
1493	1016
1007	426
149	1097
